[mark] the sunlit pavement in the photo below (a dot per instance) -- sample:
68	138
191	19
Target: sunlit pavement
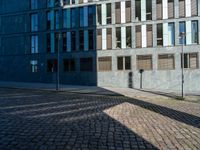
49	120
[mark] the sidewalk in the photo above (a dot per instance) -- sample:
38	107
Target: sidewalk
107	91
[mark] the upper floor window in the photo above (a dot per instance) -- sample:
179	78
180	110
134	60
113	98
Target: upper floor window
91	15
181	8
182	30
57	19
194	27
81	16
171	34
34	22
148	9
190	60
170	9
108	15
50	3
34	66
66	2
99	16
34	4
34	44
66	18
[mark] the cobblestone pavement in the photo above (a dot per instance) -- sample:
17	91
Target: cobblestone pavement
49	120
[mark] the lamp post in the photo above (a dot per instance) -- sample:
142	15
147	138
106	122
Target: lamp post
59	46
182	36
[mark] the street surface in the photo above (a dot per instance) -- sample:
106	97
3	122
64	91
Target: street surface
33	119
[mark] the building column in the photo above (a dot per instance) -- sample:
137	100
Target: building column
143	10
85	11
123	37
165	9
113	12
165	34
154	10
144	35
133	11
133	36
123	12
68	41
85	40
154	35
113	37
176	27
52	43
188	32
188	8
103	14
155	60
199	32
104	40
176	8
198	8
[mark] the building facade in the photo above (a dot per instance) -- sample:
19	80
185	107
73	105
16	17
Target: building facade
103	43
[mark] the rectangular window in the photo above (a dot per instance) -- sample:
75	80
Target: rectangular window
91	39
159	34
166	62
144	62
149	9
109	14
52	65
105	63
138	10
99	39
66	2
56	42
181	8
73	40
34	22
50	3
34	4
128	37
66	18
49	20
81	17
170	9
81	40
99	16
34	66
171	34
69	65
74	20
57	19
194	28
109	38
34	44
190	60
138	36
194	7
149	35
117	12
159	9
118	37
182	30
124	63
86	64
128	11
48	41
91	15
64	40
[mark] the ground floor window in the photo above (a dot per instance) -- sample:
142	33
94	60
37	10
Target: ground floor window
124	63
166	62
190	60
105	63
52	65
144	62
86	64
34	66
69	65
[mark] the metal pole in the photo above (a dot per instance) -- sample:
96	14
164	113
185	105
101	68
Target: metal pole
141	80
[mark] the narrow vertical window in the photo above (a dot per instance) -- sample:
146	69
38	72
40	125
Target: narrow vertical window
170	9
159	9
48	41
181	8
91	15
34	44
91	39
171	33
120	63
109	38
99	39
138	10
138	36
182	30
159	34
56	19
99	17
118	37
73	40
64	40
128	37
48	20
34	66
194	7
109	13
34	22
81	17
149	36
117	12
194	28
34	4
56	42
128	11
81	40
66	18
149	9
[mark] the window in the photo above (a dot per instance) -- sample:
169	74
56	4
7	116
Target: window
66	2
128	11
74	15
148	9
105	63
194	28
166	62
73	40
64	40
81	17
69	65
52	65
144	62
170	9
138	36
99	17
56	42
117	12
159	34
138	10
66	18
182	30
50	3
194	7
109	38
109	14
124	63
91	15
99	39
159	9
171	33
57	19
34	4
181	8
34	66
190	60
86	64
118	37
49	19
34	22
149	35
34	44
81	40
48	41
128	37
91	39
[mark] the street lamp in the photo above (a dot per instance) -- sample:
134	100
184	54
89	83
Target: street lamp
182	36
59	45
